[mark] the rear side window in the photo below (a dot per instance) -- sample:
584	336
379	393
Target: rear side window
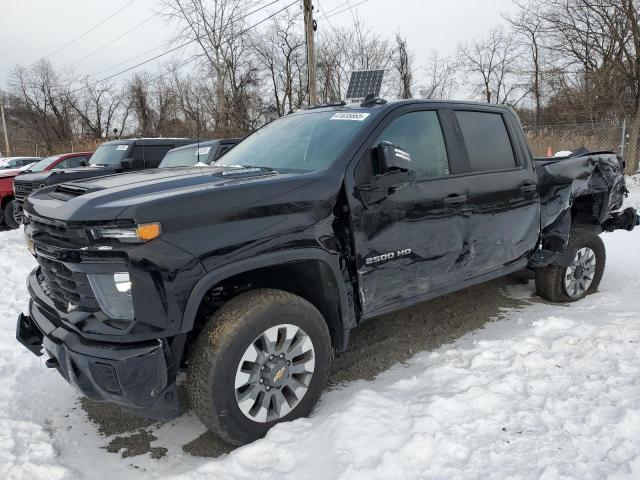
153	154
487	141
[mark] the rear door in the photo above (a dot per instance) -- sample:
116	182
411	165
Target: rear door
501	187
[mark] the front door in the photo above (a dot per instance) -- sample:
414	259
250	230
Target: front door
411	241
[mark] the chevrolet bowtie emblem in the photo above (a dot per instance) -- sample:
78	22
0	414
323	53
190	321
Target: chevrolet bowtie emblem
279	375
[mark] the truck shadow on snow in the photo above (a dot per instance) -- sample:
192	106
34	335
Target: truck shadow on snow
374	347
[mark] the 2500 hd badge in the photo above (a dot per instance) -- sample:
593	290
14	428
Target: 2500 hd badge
387	256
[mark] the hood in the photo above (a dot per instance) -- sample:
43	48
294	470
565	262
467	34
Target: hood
9	173
54	177
157	194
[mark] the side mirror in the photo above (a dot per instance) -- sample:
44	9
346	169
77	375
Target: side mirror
393	159
83	163
394	167
131	164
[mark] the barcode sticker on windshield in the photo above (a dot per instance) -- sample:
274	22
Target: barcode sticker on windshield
355	116
203	151
122	147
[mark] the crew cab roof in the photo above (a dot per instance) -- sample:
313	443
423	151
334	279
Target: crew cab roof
150	141
382	105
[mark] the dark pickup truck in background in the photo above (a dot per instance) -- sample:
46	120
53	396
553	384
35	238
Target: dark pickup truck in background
117	156
249	273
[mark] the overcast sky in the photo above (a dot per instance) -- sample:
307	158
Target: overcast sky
32	29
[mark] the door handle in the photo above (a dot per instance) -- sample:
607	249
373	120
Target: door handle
466	211
528	187
455	199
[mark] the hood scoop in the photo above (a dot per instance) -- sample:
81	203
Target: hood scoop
244	172
67	192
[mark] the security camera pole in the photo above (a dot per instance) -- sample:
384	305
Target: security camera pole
4	127
311	63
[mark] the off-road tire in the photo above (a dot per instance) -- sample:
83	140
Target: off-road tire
550	279
9	218
216	354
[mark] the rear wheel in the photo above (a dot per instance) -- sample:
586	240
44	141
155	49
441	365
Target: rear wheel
9	218
263	358
583	274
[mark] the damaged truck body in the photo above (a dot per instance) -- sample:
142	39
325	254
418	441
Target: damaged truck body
251	272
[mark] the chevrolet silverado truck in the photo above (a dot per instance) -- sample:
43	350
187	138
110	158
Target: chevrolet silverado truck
116	156
250	273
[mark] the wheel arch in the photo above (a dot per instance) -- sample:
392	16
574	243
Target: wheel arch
313	274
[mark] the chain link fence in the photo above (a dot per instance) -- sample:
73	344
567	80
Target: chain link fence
610	135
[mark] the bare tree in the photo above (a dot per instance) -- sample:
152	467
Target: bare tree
528	26
403	64
44	101
280	50
491	64
439	79
218	27
96	107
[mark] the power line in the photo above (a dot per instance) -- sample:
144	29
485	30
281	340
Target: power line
146	52
193	57
350	7
99	49
74	40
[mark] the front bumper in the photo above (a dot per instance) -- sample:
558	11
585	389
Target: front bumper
139	377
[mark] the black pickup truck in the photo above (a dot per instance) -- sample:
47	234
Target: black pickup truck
116	156
250	273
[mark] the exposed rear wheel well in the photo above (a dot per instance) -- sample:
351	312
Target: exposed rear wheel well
587	209
312	280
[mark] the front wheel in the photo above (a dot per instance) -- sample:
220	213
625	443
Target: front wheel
262	359
9	217
581	277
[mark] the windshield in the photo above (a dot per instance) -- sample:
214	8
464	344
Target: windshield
186	157
44	164
17	162
108	155
307	142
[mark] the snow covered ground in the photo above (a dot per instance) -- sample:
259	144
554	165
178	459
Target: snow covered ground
547	391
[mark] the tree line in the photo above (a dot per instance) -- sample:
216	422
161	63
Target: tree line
555	61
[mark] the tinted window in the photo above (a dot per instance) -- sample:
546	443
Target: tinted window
487	141
153	154
419	133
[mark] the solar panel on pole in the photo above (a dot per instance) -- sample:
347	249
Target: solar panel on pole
363	83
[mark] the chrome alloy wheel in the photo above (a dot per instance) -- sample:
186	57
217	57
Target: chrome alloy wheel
579	275
274	373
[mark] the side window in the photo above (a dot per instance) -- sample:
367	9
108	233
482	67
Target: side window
487	141
137	153
72	162
223	149
153	154
419	133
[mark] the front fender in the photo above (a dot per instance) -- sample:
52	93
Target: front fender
217	275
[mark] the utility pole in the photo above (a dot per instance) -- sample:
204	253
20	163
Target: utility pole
311	61
4	127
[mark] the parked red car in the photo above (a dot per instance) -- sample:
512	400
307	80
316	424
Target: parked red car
67	160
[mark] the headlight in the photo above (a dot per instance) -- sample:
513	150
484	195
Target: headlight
113	293
136	234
